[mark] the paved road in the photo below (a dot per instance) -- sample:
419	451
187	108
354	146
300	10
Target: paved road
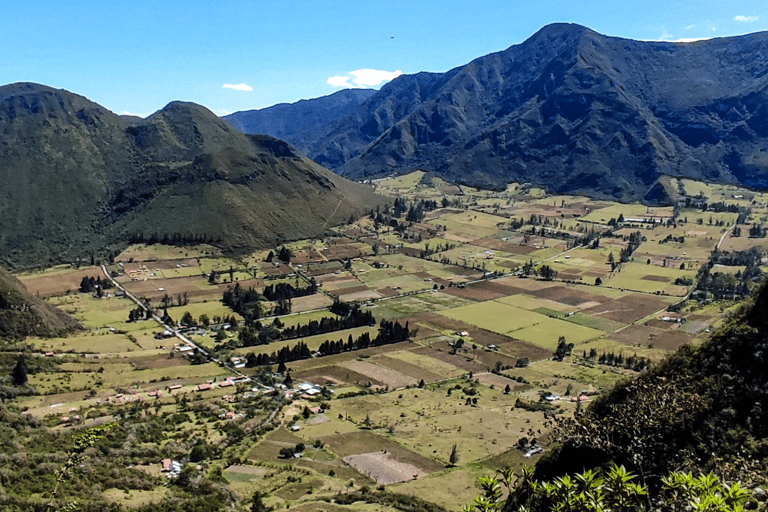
171	328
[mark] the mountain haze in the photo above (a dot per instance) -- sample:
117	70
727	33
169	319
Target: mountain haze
79	180
297	123
572	110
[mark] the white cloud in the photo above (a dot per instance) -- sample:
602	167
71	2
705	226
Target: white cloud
746	18
691	39
364	78
665	36
689	27
339	81
126	113
238	87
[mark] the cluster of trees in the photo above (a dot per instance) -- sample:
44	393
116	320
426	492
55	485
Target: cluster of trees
284	291
244	301
720	206
90	284
563	349
547	272
139	313
181	300
725	285
634	240
670	238
417	211
283	254
757	231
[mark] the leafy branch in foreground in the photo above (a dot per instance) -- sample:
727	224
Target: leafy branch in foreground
615	490
82	441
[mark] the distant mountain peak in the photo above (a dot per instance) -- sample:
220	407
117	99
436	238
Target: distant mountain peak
568	109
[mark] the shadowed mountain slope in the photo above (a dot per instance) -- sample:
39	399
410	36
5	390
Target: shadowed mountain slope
572	110
702	409
79	180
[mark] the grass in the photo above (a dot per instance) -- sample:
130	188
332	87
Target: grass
495	316
546	334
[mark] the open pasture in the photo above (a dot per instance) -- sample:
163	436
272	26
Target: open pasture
428	421
144	252
495	316
423	302
380	374
58	281
649	278
545	334
91	343
383	468
468	225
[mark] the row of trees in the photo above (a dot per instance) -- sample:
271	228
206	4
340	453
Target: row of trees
174	239
389	332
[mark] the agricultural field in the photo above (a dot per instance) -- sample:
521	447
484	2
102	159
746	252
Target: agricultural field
487	286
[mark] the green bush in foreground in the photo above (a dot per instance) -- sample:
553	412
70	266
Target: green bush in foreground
615	491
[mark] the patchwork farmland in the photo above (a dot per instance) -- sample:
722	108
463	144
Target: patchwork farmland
462	322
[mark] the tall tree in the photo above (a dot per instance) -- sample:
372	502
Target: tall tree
19	372
454	458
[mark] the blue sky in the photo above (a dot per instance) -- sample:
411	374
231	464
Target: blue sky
135	57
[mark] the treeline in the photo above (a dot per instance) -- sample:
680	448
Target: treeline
633	362
389	332
258	334
429	251
174	239
285	291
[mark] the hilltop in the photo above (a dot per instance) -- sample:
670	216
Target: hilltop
80	180
573	111
22	314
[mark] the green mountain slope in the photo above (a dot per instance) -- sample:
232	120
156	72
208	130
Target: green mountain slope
79	180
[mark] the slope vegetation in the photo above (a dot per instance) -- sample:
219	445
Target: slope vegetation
701	409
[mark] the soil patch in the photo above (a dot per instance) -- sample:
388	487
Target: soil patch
627	309
658	279
382	468
356	443
379	374
409	369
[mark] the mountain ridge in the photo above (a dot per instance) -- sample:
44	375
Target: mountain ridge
573	111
